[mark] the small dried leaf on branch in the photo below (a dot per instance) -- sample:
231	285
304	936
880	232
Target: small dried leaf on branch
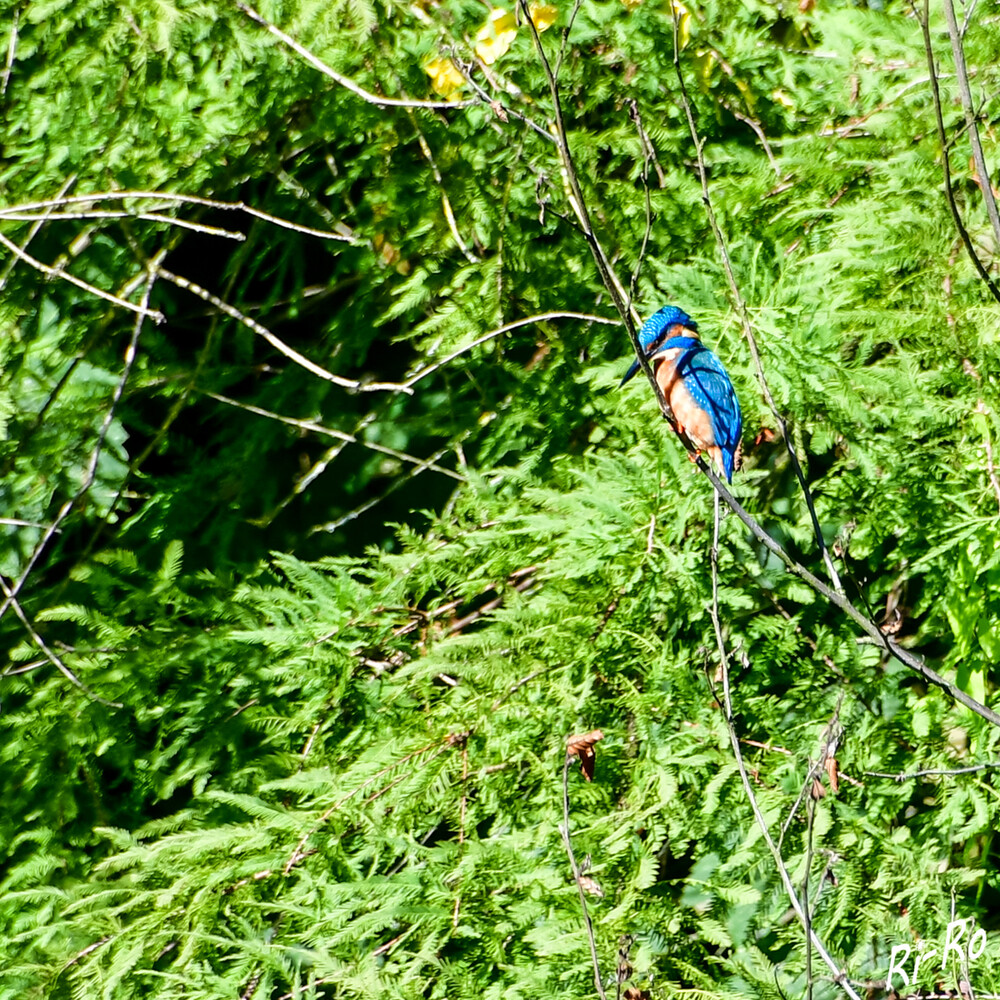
583	747
833	774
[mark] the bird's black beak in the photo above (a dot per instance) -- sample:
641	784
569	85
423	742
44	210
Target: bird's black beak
629	374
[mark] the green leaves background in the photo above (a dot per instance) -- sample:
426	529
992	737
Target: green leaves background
337	771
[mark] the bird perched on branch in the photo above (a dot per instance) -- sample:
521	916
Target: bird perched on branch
694	383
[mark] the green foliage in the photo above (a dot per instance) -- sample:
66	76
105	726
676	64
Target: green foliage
350	643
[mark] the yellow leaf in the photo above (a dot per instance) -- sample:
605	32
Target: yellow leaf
783	99
495	36
543	15
445	78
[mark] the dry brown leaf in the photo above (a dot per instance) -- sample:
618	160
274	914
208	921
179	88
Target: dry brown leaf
583	747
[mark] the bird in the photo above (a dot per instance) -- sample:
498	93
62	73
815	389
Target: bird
695	384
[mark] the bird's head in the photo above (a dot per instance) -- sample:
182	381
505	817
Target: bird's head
664	324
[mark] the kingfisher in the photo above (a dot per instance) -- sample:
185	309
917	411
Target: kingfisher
694	383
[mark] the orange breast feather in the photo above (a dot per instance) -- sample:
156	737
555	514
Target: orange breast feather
691	419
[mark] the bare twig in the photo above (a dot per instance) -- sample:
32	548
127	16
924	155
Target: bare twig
54	272
331	526
449	213
577	875
309	425
274	341
48	654
14	211
91	470
647	155
965	91
527	321
741	307
196	227
839	975
945	164
944	772
317	63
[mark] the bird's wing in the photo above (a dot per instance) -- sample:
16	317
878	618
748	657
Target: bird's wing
710	387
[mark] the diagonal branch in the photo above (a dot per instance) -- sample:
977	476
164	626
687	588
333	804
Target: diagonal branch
54	272
924	21
958	53
276	342
91	472
839	975
315	61
840	601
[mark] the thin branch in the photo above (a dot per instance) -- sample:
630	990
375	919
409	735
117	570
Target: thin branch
943	772
317	63
274	341
502	111
111	214
866	625
839	975
526	321
965	91
577	875
48	654
12	211
91	470
647	155
449	213
945	163
741	308
54	272
331	526
309	425
564	41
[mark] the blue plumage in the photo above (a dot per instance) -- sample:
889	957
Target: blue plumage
695	384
